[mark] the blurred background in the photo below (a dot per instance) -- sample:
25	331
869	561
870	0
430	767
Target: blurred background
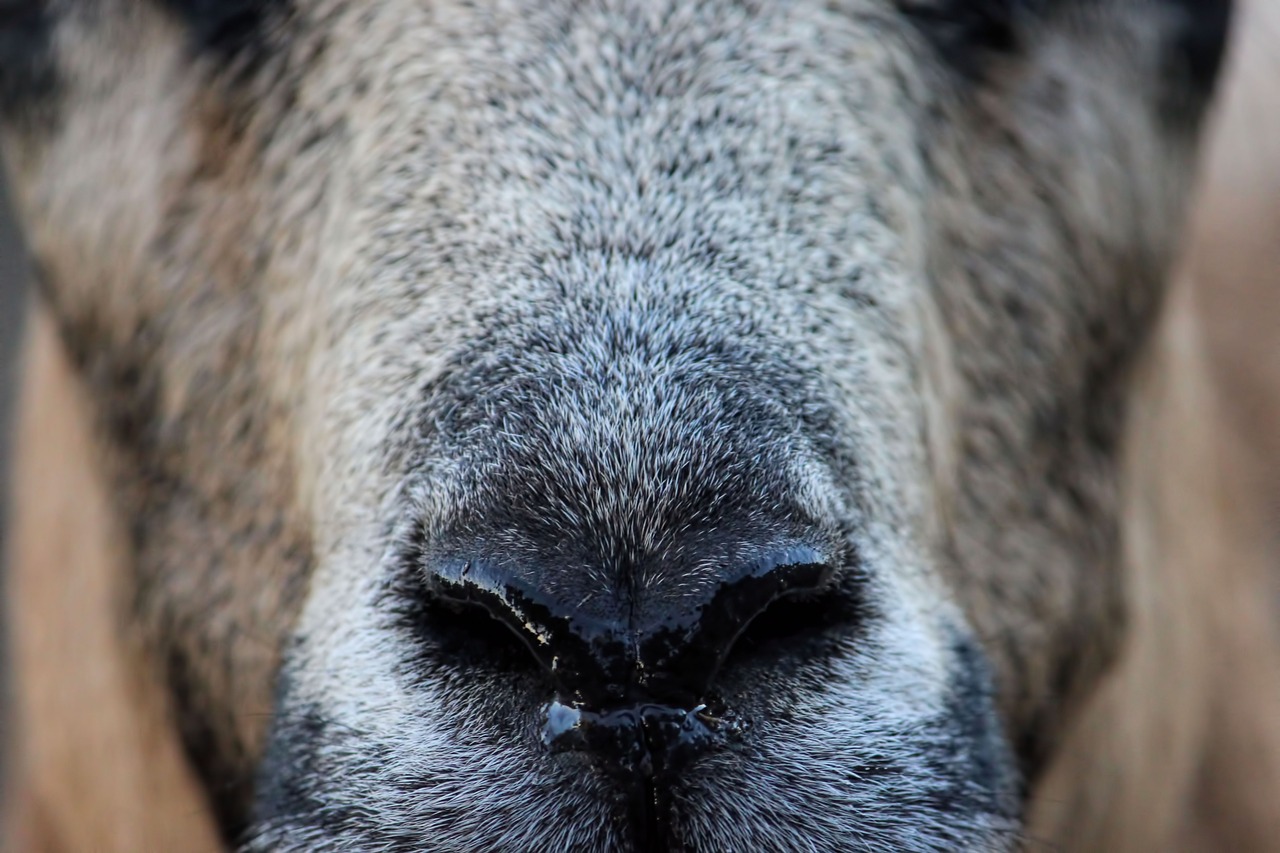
13	279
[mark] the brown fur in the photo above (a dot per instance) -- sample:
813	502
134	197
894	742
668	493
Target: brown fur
221	620
1180	747
99	764
207	459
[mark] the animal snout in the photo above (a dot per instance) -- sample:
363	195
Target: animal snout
631	663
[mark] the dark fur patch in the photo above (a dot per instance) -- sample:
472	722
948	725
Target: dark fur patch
985	760
232	30
967	33
1195	55
28	78
228	791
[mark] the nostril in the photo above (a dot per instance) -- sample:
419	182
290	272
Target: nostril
501	602
476	585
466	631
582	654
792	623
740	603
692	654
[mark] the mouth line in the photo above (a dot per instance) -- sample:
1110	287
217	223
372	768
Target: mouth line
650	814
643	748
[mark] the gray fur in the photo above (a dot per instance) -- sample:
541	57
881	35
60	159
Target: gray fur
572	280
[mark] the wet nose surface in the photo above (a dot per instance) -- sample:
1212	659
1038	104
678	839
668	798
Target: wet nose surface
642	740
634	692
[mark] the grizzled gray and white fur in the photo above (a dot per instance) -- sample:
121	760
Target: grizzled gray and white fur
612	424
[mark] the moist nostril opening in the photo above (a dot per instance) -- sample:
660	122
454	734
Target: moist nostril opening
599	666
577	652
692	658
740	603
468	633
463	617
535	638
794	620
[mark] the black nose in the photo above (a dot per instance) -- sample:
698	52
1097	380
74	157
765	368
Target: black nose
612	676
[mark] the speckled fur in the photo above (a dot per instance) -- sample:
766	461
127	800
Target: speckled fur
585	273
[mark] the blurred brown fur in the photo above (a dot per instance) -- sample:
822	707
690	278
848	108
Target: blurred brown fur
1235	259
99	766
1180	748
